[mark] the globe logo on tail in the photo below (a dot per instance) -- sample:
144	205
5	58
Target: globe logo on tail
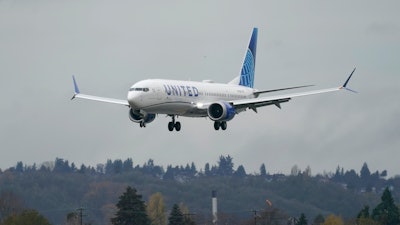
247	74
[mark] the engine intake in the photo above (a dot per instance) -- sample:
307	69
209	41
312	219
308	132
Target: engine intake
221	111
137	117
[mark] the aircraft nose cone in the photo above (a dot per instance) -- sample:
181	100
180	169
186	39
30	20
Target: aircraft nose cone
133	100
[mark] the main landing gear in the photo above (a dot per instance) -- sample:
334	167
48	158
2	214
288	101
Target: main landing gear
173	124
218	124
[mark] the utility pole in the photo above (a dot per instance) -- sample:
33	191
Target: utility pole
81	215
255	216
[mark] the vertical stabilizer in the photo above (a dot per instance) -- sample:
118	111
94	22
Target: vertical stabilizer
249	63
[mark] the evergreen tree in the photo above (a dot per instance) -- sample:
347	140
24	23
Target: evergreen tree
20	167
365	173
240	172
109	168
117	166
263	171
364	213
387	213
169	175
176	217
302	220
127	165
207	170
193	169
131	209
225	166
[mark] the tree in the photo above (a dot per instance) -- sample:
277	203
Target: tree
176	217
187	216
117	166
295	171
156	209
127	165
365	173
333	220
225	166
240	172
307	171
131	209
367	221
169	174
319	219
302	220
72	218
109	168
263	171
19	168
364	213
9	204
27	217
387	213
207	171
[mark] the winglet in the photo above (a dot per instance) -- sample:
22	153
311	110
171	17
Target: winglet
347	81
76	88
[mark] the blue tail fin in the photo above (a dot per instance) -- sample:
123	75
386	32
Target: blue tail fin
249	64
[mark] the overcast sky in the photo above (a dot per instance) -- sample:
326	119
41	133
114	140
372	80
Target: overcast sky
109	45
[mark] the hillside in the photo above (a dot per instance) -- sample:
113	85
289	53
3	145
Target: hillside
62	189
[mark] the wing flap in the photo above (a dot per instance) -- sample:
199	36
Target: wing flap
276	100
280	89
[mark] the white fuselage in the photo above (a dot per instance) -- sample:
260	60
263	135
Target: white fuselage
183	98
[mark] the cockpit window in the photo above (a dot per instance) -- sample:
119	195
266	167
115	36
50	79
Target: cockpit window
139	89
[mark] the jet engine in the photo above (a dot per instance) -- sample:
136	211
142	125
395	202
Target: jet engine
138	117
221	111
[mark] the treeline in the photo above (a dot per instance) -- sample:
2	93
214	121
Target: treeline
365	181
55	189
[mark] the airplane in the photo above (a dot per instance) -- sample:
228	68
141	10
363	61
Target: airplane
218	101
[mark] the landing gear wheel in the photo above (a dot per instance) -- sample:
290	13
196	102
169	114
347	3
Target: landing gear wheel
142	124
216	125
224	125
170	126
173	124
177	126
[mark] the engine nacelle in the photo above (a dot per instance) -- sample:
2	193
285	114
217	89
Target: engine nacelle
221	111
137	118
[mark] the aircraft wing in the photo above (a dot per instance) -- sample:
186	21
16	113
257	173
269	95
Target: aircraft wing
254	103
78	94
256	93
